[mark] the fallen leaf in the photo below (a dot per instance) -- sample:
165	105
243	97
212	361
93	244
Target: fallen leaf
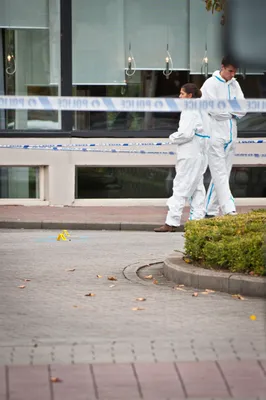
21	286
205	292
71	270
187	260
180	285
137	309
99	276
179	288
148	277
140	299
112	286
90	295
238	296
209	291
55	379
75	306
253	317
27	280
112	278
195	294
155	282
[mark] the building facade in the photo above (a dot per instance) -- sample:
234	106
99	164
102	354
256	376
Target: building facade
109	48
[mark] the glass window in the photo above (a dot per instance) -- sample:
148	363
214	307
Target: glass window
156	182
98	42
30	62
141	84
104	35
253	86
19	183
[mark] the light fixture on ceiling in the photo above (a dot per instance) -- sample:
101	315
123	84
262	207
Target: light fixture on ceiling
243	72
10	56
168	63
205	64
131	64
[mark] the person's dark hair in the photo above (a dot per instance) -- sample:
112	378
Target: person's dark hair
229	60
191	88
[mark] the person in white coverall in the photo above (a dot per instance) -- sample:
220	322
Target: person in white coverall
222	129
190	166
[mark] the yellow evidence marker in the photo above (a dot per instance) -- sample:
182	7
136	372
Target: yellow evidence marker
61	236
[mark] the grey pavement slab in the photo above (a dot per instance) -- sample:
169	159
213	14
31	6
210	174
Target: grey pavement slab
52	321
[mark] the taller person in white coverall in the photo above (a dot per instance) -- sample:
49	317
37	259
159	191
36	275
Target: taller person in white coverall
222	129
190	167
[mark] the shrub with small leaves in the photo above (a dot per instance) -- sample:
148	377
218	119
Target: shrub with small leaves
234	243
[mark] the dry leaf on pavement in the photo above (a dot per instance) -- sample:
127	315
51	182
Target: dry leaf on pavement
71	270
99	276
155	282
112	286
180	285
209	291
238	296
27	280
89	295
21	286
187	260
112	278
137	309
140	299
55	379
195	294
148	277
179	288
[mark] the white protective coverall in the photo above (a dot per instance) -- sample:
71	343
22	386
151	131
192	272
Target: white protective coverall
222	129
190	167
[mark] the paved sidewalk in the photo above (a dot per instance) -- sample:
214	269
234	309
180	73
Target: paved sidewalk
112	346
114	218
245	380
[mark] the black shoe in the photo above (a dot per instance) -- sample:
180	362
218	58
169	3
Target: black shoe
209	216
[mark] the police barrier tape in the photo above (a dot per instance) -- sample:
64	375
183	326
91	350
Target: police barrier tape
137	144
135	104
85	149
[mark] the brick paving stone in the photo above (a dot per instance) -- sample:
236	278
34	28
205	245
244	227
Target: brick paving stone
263	365
116	381
202	379
76	384
29	382
159	381
245	378
2	383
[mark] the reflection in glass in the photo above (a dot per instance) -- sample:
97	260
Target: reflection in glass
156	182
19	183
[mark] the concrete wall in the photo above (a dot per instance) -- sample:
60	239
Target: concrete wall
57	178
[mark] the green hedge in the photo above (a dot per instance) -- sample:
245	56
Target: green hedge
234	243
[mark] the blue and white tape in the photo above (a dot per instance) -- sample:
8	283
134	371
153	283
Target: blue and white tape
108	144
127	104
83	149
